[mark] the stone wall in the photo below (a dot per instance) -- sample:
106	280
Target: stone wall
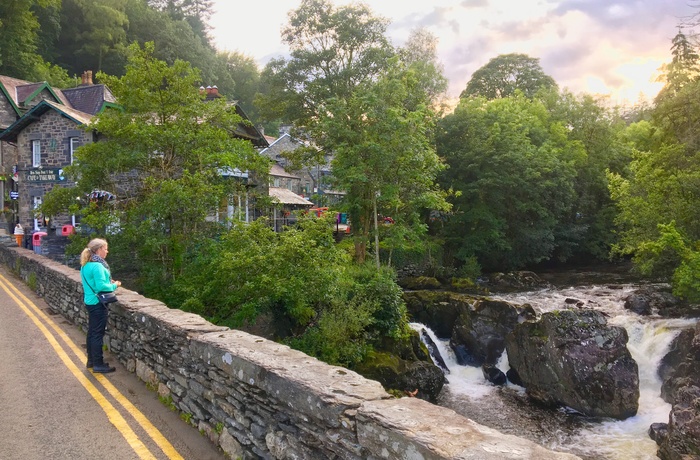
258	399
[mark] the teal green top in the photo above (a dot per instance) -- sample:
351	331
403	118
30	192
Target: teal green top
96	278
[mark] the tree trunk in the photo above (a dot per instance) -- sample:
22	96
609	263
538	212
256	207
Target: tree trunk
376	231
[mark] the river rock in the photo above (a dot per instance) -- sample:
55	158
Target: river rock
680	371
437	310
434	351
405	366
494	374
647	300
515	281
574	359
684	358
682	441
658	432
479	335
420	283
677	353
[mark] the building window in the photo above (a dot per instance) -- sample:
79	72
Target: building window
73	145
36	153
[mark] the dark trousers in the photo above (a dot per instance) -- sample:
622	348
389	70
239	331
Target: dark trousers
97	323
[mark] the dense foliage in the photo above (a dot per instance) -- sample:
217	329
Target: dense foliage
297	285
515	168
162	154
659	218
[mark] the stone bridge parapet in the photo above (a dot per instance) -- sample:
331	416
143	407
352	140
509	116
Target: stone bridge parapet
257	399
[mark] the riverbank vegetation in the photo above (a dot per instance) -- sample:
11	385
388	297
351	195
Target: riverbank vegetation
521	173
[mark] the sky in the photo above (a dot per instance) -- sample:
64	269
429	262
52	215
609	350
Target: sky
600	47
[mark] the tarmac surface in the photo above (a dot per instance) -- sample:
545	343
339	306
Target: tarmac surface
54	408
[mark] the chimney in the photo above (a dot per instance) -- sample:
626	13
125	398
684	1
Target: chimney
215	91
83	78
89	77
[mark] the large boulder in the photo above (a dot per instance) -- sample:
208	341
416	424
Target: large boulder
647	300
681	366
680	371
682	439
479	335
573	358
437	310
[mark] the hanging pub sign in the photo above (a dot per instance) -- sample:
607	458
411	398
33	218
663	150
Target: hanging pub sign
45	175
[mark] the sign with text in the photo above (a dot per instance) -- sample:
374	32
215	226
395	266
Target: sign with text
45	175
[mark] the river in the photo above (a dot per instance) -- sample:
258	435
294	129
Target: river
508	409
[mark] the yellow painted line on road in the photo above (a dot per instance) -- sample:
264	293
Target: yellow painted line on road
153	432
112	414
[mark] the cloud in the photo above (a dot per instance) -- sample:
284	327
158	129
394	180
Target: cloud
474	3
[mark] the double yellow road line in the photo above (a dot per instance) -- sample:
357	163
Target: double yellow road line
41	320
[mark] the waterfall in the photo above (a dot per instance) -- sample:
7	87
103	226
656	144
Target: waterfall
507	409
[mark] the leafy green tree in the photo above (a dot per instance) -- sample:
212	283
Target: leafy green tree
195	12
384	158
514	169
333	50
300	284
420	53
588	232
93	35
162	157
663	187
657	201
19	39
505	74
245	75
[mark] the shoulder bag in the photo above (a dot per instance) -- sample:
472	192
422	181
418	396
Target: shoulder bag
103	297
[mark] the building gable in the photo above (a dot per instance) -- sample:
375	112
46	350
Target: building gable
32	94
35	113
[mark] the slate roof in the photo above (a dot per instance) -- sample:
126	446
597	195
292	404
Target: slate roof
285	196
89	99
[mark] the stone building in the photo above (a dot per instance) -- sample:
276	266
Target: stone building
41	129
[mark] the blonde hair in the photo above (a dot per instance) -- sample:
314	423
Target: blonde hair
91	248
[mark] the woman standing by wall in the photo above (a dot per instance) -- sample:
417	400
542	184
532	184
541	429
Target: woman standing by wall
96	278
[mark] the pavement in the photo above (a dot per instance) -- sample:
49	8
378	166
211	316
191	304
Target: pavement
54	408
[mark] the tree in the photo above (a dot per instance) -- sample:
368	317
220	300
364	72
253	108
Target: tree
505	74
589	230
514	170
384	158
162	157
19	56
663	187
420	52
245	75
333	50
93	35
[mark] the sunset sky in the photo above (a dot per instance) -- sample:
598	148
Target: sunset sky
594	46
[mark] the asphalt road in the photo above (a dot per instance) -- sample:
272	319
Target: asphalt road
53	408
